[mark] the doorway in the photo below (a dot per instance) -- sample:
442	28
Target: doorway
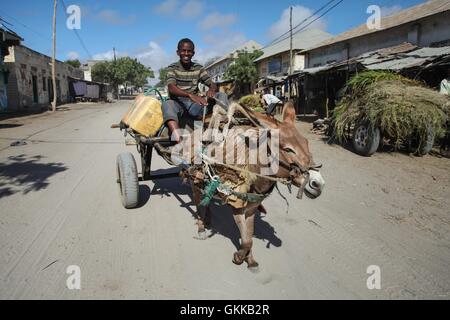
35	89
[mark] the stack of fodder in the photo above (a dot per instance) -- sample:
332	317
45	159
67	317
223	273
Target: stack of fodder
252	101
399	106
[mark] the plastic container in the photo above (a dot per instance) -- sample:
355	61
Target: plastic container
145	115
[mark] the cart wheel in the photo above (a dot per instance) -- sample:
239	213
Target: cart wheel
127	178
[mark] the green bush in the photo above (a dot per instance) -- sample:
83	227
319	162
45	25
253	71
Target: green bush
252	101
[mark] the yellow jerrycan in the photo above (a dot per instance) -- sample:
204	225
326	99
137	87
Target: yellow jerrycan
144	116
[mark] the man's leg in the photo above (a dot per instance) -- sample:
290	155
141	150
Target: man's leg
271	108
171	109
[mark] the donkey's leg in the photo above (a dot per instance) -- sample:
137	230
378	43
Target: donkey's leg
202	214
246	243
250	226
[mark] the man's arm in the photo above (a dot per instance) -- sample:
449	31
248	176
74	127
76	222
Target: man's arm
212	90
205	79
175	91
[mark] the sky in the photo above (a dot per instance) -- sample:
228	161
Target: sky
149	30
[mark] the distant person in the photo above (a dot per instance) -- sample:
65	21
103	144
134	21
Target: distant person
183	78
445	84
270	102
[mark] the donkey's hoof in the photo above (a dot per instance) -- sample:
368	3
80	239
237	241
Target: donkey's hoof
201	235
253	269
237	259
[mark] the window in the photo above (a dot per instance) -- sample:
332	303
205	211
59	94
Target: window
274	65
44	87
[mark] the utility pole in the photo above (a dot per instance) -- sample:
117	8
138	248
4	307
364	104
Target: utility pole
116	85
53	57
290	57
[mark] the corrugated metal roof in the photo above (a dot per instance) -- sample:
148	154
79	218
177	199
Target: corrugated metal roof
300	41
404	56
408	15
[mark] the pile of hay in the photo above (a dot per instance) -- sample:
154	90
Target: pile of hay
400	107
252	101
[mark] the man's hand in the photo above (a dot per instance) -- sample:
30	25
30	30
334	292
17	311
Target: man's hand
211	93
198	100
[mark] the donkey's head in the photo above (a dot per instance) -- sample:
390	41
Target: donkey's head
295	159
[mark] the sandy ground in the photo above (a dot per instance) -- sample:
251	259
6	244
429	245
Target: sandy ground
60	206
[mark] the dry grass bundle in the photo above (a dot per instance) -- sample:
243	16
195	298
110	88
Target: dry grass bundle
400	107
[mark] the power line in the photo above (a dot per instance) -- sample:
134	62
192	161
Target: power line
22	24
76	32
303	28
300	23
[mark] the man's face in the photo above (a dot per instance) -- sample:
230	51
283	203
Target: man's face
186	52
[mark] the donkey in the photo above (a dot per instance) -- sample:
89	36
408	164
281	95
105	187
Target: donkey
296	165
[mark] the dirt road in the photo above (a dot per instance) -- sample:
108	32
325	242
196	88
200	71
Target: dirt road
60	206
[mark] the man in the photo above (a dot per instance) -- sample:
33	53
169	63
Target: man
445	85
183	78
270	102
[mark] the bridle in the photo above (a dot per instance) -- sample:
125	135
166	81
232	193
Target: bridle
298	170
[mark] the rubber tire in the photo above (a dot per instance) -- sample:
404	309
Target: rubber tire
372	140
127	178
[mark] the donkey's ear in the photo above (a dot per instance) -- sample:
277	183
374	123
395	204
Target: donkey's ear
289	112
255	117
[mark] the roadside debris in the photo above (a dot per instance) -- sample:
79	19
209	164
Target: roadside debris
18	143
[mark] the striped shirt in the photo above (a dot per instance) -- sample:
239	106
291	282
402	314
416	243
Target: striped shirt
187	80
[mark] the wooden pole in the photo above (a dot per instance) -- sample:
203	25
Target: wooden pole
53	57
290	57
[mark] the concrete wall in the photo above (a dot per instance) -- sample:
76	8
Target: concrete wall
217	71
422	32
263	65
27	66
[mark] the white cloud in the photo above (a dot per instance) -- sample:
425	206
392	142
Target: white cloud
156	57
299	13
72	55
192	9
167	7
387	11
219	45
216	19
109	55
113	17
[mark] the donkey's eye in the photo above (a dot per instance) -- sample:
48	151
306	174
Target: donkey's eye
287	149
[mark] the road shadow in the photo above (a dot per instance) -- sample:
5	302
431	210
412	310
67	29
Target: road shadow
24	174
10	125
222	221
144	195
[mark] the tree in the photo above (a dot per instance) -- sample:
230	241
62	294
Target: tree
162	77
243	70
74	63
125	71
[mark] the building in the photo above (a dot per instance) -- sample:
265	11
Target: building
425	25
216	70
87	68
273	65
30	79
7	39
